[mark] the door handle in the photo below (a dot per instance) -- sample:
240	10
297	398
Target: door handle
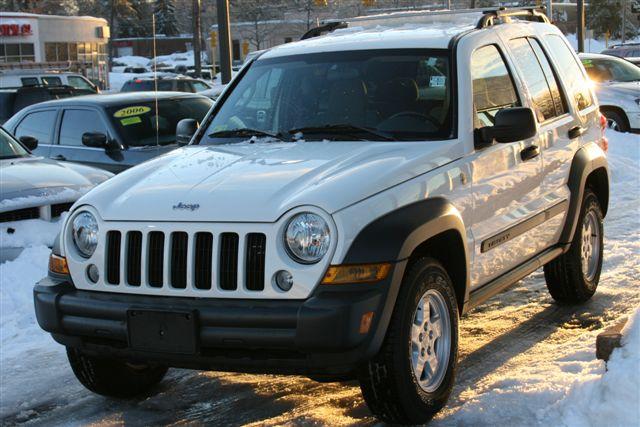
576	132
529	152
59	157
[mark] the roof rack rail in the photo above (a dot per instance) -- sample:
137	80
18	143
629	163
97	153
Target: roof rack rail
490	16
326	28
503	14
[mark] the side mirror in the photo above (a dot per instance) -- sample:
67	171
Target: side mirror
185	130
94	139
511	124
30	142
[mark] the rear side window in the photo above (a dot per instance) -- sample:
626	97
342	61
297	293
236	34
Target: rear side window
79	83
52	81
572	73
29	81
493	87
77	122
38	125
539	78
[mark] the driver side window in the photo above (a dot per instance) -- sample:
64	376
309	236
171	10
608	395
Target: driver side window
493	87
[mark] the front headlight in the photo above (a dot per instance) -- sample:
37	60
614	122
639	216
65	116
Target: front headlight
84	230
307	238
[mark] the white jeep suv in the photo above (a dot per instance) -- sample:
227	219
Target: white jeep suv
346	200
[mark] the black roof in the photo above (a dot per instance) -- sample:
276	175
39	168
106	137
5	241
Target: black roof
110	100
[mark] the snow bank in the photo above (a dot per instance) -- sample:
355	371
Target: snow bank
611	398
33	232
132	61
595	45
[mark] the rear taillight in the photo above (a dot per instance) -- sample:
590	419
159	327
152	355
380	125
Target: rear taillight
604	142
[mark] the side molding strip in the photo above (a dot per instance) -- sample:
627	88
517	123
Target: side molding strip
524	226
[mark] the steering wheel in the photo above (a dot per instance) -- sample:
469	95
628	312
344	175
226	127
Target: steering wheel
416	115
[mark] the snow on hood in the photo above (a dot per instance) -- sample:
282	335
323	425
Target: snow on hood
258	182
30	181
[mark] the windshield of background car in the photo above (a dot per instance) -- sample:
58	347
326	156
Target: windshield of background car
138	122
9	148
404	94
147	85
611	70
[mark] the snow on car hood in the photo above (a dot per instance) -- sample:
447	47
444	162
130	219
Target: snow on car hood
26	181
261	181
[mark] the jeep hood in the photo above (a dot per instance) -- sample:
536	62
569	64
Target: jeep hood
259	182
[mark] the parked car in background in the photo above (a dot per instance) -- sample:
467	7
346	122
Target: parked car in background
18	78
113	132
628	51
617	86
32	187
136	70
164	84
15	99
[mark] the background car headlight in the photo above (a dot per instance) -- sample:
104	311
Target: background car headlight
84	230
307	238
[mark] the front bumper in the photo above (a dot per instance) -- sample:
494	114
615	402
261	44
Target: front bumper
320	335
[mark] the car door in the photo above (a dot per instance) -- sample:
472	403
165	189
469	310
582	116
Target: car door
505	185
74	123
38	124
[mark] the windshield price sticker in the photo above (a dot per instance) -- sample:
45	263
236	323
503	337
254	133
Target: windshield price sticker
130	120
131	111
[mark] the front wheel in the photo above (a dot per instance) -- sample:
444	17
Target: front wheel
112	377
411	378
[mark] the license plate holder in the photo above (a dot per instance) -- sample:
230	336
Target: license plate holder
162	331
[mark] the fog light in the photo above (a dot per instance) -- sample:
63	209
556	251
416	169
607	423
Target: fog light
93	273
284	280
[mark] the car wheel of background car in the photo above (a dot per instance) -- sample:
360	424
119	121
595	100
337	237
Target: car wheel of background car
112	377
573	277
411	378
616	121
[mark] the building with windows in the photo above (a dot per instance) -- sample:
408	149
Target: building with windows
64	43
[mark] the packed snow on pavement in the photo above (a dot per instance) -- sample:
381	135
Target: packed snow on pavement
524	360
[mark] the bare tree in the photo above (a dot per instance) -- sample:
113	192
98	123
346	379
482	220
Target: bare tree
257	14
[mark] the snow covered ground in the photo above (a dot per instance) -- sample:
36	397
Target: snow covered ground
524	360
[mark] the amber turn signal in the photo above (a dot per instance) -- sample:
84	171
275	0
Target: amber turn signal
58	264
356	273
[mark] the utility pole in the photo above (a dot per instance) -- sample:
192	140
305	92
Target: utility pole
224	40
580	17
197	57
624	20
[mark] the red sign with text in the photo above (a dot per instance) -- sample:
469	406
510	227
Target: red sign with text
8	30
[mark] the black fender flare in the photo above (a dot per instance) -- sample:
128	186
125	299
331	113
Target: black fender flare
586	160
393	237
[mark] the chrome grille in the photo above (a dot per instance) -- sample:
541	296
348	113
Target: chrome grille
180	260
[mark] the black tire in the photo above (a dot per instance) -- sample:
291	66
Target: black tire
620	120
566	279
112	377
388	382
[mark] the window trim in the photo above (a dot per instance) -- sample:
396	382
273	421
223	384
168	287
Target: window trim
80	108
556	76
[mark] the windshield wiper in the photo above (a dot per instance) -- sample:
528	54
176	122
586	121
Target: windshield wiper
345	129
244	132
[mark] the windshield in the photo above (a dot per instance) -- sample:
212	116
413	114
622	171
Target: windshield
400	94
138	122
616	70
9	148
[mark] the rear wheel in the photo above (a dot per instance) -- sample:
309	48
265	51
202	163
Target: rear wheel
411	378
573	277
616	121
112	377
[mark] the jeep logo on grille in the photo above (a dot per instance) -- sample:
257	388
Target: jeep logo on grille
186	206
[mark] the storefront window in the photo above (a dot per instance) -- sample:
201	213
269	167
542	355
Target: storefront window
16	52
50	54
63	54
73	52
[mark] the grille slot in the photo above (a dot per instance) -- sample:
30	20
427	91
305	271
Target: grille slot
134	257
254	265
58	209
179	241
20	214
229	261
155	258
203	260
113	257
